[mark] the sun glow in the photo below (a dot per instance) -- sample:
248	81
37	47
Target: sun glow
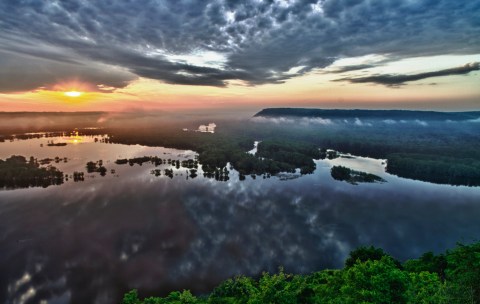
73	94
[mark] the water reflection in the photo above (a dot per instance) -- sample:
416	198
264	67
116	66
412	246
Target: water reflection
91	241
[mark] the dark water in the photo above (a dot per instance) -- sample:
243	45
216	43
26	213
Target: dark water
89	242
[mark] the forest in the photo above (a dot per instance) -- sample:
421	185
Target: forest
216	150
442	152
370	275
438	147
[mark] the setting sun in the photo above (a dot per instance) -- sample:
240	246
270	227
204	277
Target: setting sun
73	94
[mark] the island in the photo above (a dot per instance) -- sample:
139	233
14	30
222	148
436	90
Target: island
353	177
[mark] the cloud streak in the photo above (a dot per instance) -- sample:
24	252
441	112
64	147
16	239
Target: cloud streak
399	80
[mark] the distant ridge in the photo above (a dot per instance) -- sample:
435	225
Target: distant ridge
368	114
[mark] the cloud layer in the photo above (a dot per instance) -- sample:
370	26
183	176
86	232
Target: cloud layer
259	41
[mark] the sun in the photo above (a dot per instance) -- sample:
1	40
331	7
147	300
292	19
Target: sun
73	93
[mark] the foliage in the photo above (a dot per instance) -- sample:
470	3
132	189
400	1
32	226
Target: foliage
374	281
346	174
428	262
17	172
216	150
363	254
425	288
370	276
434	168
297	154
92	167
463	274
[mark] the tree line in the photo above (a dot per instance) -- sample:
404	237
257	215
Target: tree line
369	276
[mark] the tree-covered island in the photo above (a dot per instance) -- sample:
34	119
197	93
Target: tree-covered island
18	172
354	177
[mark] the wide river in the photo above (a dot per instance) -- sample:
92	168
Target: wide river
91	241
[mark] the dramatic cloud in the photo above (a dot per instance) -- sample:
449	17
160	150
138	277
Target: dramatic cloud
398	80
21	72
214	42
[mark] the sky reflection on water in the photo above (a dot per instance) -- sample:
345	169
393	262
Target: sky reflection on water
91	241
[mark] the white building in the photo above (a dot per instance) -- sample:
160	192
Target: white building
207	128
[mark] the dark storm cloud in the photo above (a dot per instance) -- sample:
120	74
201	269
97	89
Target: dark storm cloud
260	40
42	72
398	80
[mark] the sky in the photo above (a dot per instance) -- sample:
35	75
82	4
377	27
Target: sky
185	55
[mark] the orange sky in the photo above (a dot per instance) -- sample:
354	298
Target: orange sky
314	89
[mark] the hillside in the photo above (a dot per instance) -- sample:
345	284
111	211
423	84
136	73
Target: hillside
369	114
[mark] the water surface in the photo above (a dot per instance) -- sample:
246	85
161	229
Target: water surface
89	242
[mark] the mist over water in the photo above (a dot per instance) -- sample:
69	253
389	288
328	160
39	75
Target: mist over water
92	241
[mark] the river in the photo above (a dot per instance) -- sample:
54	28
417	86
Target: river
91	241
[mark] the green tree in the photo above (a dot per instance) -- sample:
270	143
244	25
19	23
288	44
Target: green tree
374	281
463	274
237	290
280	288
428	262
326	286
425	288
363	254
131	297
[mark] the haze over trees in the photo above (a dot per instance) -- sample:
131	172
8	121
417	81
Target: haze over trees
439	147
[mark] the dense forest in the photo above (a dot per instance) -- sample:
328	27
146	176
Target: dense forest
216	150
430	146
369	276
435	168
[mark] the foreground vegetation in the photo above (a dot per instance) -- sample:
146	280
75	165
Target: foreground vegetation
369	276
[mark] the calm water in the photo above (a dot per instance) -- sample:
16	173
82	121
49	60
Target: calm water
89	242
